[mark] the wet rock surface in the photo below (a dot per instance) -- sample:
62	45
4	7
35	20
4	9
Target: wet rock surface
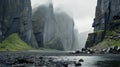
44	59
111	50
10	60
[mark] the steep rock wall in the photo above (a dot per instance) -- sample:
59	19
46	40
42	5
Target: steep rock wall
53	30
44	25
65	26
15	17
106	20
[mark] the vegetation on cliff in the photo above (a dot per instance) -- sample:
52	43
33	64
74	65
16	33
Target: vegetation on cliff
55	43
13	43
107	18
112	38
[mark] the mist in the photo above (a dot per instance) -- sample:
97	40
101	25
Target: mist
83	11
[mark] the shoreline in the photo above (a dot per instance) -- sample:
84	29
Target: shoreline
49	59
54	54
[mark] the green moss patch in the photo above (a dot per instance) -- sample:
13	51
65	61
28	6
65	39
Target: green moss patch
109	42
112	42
99	33
101	45
55	43
110	33
109	39
13	43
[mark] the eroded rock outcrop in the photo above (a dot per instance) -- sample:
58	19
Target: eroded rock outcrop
45	26
106	23
65	25
53	29
15	17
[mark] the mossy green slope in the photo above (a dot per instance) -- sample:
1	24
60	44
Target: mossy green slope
13	43
109	40
112	35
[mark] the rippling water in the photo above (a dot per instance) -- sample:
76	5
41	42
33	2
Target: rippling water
106	60
92	61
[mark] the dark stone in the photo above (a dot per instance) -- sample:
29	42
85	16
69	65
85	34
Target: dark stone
65	65
77	52
78	64
116	17
83	49
81	60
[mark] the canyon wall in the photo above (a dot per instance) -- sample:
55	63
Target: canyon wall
65	25
43	28
15	17
106	24
53	29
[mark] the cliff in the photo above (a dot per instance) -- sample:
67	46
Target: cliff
45	27
15	17
52	29
65	25
42	29
106	24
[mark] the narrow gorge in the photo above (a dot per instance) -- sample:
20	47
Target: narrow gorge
40	28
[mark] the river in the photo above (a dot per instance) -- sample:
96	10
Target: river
14	58
93	61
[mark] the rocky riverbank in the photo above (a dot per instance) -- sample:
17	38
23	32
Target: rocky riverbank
49	59
33	60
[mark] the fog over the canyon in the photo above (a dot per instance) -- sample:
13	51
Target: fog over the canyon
83	11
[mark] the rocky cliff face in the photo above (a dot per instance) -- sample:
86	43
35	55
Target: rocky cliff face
65	26
106	23
45	26
42	29
15	17
53	30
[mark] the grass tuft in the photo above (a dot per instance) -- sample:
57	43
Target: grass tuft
14	43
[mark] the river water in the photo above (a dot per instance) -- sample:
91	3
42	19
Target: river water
92	61
105	60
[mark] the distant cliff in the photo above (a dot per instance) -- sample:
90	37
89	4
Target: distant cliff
106	25
15	17
65	25
53	29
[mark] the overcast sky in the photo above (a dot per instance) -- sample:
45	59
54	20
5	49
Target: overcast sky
82	11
